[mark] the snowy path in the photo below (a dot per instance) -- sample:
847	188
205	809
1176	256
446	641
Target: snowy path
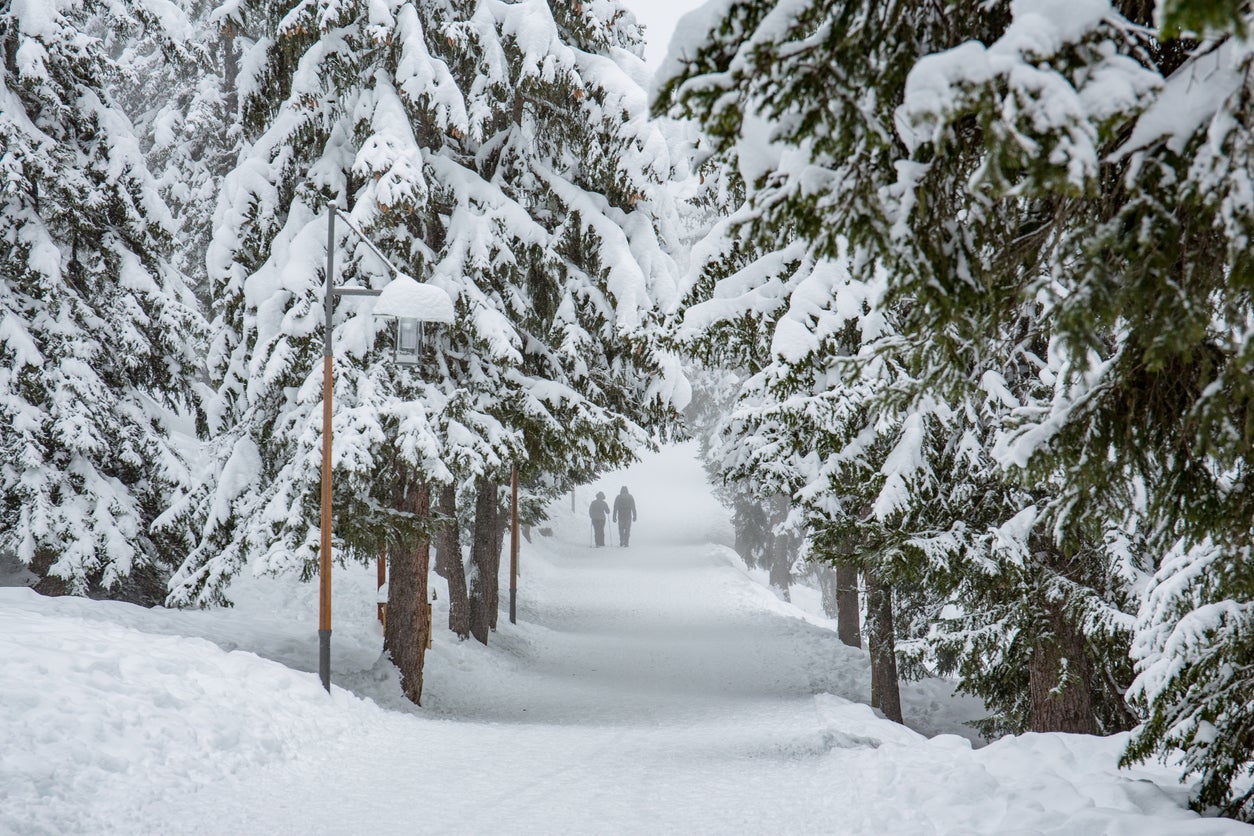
661	635
660	688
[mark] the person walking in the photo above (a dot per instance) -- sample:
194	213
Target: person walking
624	515
598	511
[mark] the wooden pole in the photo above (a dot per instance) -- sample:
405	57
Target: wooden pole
381	578
324	552
513	548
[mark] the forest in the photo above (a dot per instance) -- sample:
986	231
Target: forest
955	298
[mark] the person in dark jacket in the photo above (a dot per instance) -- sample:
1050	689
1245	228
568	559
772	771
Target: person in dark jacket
598	511
624	514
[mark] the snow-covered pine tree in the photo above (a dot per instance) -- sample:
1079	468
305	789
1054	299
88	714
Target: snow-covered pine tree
568	139
746	269
888	455
1195	626
765	536
1128	219
181	96
484	153
98	332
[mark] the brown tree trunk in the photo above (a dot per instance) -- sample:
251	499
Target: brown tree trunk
483	578
848	628
885	690
838	583
502	524
408	623
1058	680
449	565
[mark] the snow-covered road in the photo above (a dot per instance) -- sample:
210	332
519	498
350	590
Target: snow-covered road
659	688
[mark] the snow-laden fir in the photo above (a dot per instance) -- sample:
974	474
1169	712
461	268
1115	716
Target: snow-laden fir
1047	421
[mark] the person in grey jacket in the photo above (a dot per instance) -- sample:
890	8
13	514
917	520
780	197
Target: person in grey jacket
624	514
598	511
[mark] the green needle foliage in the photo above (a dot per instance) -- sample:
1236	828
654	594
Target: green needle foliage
1041	415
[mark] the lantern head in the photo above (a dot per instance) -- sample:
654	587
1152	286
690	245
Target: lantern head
409	341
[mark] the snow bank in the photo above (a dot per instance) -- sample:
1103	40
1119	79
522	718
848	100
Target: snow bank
102	722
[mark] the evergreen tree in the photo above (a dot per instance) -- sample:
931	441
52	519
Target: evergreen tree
494	149
766	535
1043	215
98	332
180	93
885	433
1126	215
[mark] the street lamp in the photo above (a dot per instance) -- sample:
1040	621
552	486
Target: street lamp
411	303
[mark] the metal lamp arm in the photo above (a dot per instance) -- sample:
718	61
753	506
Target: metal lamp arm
336	210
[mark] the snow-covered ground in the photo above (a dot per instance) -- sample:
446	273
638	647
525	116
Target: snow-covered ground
658	688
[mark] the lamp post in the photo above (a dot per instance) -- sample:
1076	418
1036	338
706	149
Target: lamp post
410	303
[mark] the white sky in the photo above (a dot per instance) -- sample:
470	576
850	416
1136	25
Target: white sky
659	18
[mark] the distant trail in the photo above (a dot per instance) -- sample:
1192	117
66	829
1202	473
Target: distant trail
668	630
659	633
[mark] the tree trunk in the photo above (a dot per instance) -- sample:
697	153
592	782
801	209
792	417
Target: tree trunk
408	622
847	619
230	68
741	531
838	582
751	532
826	577
502	524
449	565
779	547
781	576
885	690
1058	679
484	569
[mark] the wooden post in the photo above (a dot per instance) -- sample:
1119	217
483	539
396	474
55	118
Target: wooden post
324	551
513	547
382	577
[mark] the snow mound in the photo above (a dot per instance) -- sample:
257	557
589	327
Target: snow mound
99	718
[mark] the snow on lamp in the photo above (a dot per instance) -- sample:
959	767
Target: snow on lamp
412	303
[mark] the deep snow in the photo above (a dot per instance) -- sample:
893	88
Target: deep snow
659	688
